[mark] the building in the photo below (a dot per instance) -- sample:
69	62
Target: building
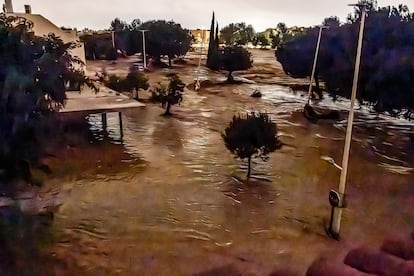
201	37
42	27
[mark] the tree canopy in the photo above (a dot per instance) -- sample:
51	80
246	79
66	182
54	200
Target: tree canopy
169	95
237	34
234	58
251	135
163	38
166	38
33	76
386	79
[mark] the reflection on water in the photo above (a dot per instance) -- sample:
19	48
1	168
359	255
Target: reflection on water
183	210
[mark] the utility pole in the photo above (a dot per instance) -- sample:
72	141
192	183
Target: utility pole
315	61
144	56
340	203
198	84
113	38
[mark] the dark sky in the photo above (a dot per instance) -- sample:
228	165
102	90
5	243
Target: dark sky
97	14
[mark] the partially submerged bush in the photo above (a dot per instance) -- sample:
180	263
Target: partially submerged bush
134	80
170	95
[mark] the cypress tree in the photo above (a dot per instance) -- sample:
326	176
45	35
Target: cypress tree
211	49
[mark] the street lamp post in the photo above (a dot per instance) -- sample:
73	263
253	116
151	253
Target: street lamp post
113	38
198	84
315	61
143	48
335	223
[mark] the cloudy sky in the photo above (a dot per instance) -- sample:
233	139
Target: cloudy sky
97	14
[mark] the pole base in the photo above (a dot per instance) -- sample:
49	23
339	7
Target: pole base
332	234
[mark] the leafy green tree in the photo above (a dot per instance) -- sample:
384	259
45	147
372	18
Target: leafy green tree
117	25
282	28
99	46
135	25
370	5
296	55
166	38
169	95
252	135
284	34
234	58
331	22
262	39
387	67
33	74
237	34
135	80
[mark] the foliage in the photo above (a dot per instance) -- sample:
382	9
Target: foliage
262	39
331	22
282	34
213	47
99	46
166	38
233	59
117	25
114	82
252	135
134	80
387	68
237	34
33	74
212	62
169	95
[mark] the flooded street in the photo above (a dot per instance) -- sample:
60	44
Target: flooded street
176	208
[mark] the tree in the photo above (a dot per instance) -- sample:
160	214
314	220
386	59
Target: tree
170	95
33	74
237	34
252	135
331	22
212	47
99	46
135	25
135	80
296	56
370	5
166	38
117	25
229	34
387	68
261	39
233	59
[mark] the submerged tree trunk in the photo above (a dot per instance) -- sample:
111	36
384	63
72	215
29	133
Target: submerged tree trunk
230	77
167	110
135	94
169	61
249	162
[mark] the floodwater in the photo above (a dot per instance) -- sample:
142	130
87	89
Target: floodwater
175	206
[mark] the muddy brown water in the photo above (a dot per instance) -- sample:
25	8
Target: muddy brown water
175	207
